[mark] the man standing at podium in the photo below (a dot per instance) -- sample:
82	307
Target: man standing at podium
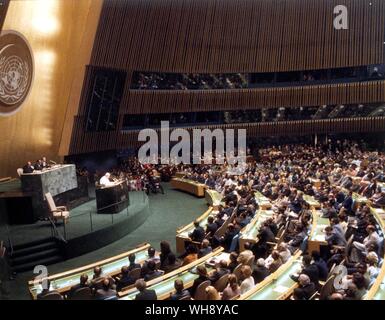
105	180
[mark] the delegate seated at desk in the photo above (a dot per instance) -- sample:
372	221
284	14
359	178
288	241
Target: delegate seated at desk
105	180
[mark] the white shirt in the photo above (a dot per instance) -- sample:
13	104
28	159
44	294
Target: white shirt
105	181
247	284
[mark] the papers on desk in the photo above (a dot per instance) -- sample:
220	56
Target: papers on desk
319	237
212	262
281	289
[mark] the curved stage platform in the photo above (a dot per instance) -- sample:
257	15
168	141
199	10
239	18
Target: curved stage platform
86	230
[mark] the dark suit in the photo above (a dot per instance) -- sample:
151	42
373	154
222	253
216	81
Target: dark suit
217	274
180	295
228	238
146	294
152	275
211	228
124	282
27	169
348	203
205	251
133	266
102	294
322	269
312	272
307	291
260	273
38	166
198	234
76	288
42	295
196	283
172	267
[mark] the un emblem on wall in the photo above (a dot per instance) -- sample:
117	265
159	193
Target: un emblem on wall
16	71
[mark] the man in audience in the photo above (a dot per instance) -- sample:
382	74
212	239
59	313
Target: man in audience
46	283
260	271
211	227
198	234
220	270
144	294
106	291
372	239
306	288
124	280
132	264
205	248
310	269
153	272
83	284
321	265
98	277
180	291
151	257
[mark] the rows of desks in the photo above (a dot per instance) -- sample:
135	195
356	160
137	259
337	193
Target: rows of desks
278	285
263	202
189	186
164	286
62	282
317	236
251	230
213	198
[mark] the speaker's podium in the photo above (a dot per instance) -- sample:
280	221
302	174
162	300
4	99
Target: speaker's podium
112	199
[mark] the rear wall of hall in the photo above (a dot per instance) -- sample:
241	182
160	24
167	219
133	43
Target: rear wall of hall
58	32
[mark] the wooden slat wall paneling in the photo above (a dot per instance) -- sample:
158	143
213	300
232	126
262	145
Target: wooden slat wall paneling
100	141
237	35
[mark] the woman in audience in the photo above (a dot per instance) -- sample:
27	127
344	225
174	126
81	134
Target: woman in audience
192	255
372	266
248	282
165	251
212	294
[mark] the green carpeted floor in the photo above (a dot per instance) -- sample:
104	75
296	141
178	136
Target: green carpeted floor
169	211
84	219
